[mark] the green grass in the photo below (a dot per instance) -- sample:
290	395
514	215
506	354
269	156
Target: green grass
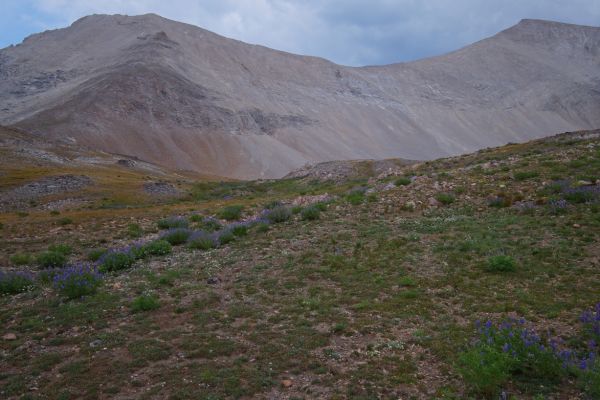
524	175
310	213
231	213
445	198
145	303
134	231
367	301
51	259
501	264
176	237
402	181
21	259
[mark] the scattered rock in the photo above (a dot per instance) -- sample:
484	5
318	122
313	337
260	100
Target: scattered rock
576	226
96	343
160	189
47	186
306	200
286	383
9	336
410	205
433	202
213	280
126	163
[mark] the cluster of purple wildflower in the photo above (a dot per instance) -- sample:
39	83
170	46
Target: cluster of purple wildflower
204	240
77	280
557	206
586	193
573	194
15	282
514	338
591	320
511	336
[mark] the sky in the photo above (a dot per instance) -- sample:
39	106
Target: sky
348	32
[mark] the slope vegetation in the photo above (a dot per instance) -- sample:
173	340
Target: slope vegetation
299	288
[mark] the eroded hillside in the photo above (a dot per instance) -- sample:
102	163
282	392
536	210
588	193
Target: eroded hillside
179	96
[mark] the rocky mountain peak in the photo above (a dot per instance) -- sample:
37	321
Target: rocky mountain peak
183	97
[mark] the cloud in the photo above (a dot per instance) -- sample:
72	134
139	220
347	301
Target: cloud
349	32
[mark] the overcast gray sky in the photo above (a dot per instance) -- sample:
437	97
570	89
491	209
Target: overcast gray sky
349	32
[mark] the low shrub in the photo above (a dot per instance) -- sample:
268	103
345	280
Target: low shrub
501	264
176	236
158	248
589	380
403	181
202	241
77	281
145	302
95	254
445	198
238	229
485	369
51	259
310	213
46	276
210	224
21	259
321	206
196	218
225	236
557	207
296	210
509	351
134	231
261	227
278	214
231	213
582	194
64	221
15	282
524	175
61	248
272	204
355	197
137	250
115	260
172	222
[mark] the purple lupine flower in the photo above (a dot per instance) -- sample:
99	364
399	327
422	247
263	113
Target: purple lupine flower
77	280
15	282
203	240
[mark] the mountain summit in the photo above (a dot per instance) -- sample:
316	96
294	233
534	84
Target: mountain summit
186	98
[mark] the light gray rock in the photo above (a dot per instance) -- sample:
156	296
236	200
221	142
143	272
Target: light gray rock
182	97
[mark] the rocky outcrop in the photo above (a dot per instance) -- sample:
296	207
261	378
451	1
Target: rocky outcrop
185	98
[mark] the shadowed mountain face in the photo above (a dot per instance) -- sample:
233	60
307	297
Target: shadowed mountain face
186	98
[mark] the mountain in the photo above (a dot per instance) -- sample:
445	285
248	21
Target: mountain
185	98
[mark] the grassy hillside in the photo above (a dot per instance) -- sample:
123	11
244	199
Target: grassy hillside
468	277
